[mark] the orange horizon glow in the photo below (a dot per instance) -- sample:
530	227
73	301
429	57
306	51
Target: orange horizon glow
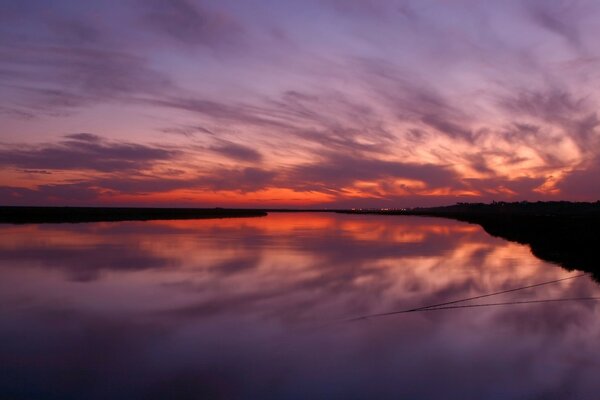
275	108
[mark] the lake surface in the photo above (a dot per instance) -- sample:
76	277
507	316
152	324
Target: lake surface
261	308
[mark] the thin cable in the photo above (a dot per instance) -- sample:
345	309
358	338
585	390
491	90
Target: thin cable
501	292
509	303
468	298
481	305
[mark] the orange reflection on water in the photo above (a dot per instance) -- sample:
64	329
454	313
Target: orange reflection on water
258	296
282	250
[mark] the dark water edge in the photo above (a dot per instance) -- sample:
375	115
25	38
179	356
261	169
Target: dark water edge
54	215
564	233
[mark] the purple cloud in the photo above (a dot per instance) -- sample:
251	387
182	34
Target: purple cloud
84	151
190	23
582	183
559	18
472	98
339	170
237	152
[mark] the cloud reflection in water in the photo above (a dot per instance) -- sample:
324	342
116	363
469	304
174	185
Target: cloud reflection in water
249	308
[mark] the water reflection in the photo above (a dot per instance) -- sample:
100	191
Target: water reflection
250	308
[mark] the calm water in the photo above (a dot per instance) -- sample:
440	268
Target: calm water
255	308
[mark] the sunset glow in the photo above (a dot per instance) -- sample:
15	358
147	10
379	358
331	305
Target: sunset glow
335	103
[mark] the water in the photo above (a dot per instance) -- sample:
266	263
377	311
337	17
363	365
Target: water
257	308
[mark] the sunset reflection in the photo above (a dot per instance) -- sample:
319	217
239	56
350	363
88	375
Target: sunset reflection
181	292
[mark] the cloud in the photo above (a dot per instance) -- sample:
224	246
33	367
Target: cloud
192	24
135	184
413	99
237	151
94	191
559	18
233	112
582	183
551	104
369	93
238	179
76	32
56	78
547	117
139	185
446	127
338	170
50	194
359	8
84	151
499	187
85	137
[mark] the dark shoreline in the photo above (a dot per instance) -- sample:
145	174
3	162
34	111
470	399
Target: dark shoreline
564	233
57	215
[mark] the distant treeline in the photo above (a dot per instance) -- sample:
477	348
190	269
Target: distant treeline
38	215
539	208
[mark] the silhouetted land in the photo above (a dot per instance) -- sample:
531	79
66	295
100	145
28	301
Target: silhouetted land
38	215
564	233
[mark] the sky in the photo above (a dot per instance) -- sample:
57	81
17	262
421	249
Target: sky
330	103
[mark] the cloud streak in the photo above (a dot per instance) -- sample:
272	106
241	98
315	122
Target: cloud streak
317	103
84	151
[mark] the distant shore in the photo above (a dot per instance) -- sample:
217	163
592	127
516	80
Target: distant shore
54	215
564	233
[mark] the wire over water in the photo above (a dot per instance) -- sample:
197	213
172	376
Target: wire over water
511	303
449	304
